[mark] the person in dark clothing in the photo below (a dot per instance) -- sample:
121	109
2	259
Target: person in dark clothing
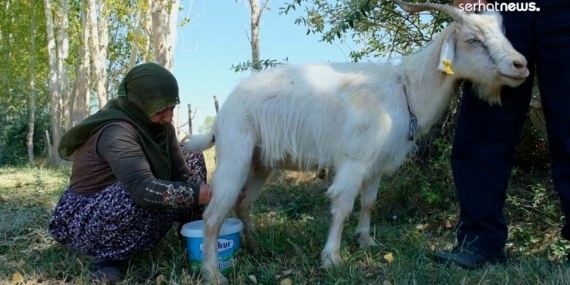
130	179
486	137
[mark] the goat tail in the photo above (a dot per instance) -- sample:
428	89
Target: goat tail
198	143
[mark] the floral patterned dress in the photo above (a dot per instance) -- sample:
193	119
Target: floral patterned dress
109	224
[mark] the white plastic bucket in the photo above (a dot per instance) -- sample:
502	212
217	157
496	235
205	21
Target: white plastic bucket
228	243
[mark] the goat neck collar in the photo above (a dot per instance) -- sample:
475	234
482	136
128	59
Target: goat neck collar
413	124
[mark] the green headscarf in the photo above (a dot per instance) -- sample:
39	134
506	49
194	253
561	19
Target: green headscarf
146	89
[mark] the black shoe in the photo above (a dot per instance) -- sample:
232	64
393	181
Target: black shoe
470	257
106	270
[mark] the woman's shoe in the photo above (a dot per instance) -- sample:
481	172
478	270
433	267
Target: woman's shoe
106	270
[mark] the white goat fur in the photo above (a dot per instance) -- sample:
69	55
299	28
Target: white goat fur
350	117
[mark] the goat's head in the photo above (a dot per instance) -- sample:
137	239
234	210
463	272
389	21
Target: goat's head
477	50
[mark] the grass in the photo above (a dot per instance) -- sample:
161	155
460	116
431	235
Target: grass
415	215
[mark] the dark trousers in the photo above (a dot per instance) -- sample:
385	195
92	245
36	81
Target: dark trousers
486	137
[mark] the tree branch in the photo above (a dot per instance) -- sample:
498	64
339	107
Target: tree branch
246	34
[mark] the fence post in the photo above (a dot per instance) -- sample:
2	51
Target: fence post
216	103
190	118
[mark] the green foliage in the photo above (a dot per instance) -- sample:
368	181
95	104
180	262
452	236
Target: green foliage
184	21
206	127
382	29
422	186
258	65
122	20
15	33
14	151
292	219
15	37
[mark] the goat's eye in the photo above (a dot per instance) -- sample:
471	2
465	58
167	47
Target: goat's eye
472	40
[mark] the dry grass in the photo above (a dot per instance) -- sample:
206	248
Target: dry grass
210	158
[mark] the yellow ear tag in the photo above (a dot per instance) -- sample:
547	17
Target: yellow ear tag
447	67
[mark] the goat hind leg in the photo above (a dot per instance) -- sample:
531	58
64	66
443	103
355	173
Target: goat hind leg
368	195
212	226
228	180
225	192
243	210
342	192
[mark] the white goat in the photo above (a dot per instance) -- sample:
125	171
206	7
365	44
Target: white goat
354	118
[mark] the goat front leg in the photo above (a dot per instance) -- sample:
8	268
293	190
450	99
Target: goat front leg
343	193
243	210
368	195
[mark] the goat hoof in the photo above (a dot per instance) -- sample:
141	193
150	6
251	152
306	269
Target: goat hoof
365	241
331	261
218	280
212	275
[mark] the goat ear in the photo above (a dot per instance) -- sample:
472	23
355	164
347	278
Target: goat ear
447	54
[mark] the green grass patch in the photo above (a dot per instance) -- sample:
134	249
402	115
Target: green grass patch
415	215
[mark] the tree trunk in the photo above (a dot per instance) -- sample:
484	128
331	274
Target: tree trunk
81	95
62	54
135	41
103	44
170	44
53	83
32	99
255	18
148	55
164	31
158	31
96	52
171	34
8	43
164	37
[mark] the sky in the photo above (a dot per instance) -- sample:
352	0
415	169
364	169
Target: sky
215	39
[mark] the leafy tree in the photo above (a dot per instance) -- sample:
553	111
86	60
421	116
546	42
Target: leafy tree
382	28
256	9
24	82
25	58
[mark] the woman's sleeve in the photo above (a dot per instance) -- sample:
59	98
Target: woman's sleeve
118	144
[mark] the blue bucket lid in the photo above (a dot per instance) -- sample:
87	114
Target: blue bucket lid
196	228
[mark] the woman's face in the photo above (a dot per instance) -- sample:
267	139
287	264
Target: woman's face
163	116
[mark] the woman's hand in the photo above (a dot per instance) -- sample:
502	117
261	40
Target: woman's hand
206	195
